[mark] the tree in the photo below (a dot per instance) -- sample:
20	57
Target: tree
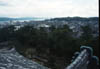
7	33
86	36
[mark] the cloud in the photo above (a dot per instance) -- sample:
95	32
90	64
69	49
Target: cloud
48	8
3	3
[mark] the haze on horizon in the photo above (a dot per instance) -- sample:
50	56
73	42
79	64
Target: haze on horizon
49	8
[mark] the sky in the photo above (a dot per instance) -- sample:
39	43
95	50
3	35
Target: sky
49	8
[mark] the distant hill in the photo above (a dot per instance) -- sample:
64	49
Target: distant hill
75	19
23	18
52	19
5	19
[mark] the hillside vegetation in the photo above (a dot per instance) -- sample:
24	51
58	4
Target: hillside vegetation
52	47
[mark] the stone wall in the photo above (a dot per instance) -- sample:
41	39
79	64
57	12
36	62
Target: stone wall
11	59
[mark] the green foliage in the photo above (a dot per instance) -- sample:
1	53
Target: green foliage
86	36
54	42
7	33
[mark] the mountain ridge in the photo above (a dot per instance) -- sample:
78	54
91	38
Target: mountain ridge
20	18
56	18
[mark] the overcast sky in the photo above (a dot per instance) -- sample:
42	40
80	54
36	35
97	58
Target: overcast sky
48	8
